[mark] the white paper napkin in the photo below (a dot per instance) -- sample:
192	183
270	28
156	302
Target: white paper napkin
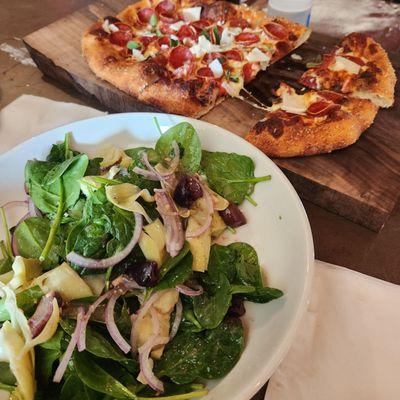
30	115
348	344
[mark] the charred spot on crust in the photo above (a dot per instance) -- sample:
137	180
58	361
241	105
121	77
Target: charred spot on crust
205	95
273	125
109	59
111	19
156	69
373	48
292	36
99	33
369	76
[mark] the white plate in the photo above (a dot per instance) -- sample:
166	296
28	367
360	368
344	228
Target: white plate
278	228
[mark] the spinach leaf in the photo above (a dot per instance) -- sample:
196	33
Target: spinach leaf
189	321
178	274
26	301
31	236
222	261
6	376
231	175
45	359
5	265
61	151
211	307
264	295
75	389
189	143
242	289
184	358
94	167
172	262
96	378
224	347
137	152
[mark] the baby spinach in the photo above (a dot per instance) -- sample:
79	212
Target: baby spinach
46	358
171	262
210	307
5	265
96	378
184	358
31	236
189	144
231	175
75	389
224	345
264	295
61	151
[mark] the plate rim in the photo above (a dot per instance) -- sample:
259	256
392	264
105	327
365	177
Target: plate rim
269	368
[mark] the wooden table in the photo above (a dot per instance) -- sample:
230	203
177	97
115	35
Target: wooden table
337	240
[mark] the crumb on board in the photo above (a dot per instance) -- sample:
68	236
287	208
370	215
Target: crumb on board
296	57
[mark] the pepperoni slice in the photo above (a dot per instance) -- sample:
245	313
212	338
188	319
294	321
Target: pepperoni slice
144	14
211	56
121	38
309	81
205	72
233	55
276	31
165	29
238	23
248	72
187	31
179	56
167	19
200	25
166	8
123	27
146	40
331	96
247	38
283	47
356	60
322	108
164	41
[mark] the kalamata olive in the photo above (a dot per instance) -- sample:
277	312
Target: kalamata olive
232	216
236	308
145	274
111	20
187	191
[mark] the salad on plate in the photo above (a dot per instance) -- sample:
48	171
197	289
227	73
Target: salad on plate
118	282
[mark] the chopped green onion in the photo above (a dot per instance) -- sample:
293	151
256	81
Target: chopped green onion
153	20
205	34
6	233
174	42
158	32
131	45
234	78
216	35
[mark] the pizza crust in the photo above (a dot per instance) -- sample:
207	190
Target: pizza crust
334	133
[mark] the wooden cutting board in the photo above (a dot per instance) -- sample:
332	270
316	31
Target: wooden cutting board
361	183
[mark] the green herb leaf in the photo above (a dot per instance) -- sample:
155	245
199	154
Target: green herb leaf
153	20
131	45
216	35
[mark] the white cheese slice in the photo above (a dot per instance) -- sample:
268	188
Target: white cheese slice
228	36
293	102
203	46
177	25
256	55
137	55
191	14
113	28
216	68
344	64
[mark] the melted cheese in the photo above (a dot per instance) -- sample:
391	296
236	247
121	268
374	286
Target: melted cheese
256	55
203	46
191	14
344	64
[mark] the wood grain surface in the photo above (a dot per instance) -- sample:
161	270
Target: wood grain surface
360	183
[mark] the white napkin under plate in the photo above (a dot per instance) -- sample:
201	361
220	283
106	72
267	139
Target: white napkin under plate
348	343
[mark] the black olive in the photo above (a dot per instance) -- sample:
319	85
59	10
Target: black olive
232	216
237	306
112	20
145	274
187	191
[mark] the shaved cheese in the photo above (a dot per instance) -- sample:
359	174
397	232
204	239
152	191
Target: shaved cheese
174	37
137	55
228	36
293	103
191	14
113	28
233	88
204	46
256	55
344	64
109	28
216	68
177	25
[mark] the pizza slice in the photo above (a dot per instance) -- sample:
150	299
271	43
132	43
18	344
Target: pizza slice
185	57
359	67
315	122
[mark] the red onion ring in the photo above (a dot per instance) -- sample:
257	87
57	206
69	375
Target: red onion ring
110	322
70	349
137	318
42	314
14	203
86	262
175	237
189	291
147	174
208	221
144	354
33	210
14	245
177	320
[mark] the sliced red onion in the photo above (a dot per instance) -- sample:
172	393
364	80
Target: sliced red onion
14	245
175	237
33	210
177	320
70	349
189	291
210	211
86	262
146	366
110	322
42	314
137	318
147	174
14	203
90	311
